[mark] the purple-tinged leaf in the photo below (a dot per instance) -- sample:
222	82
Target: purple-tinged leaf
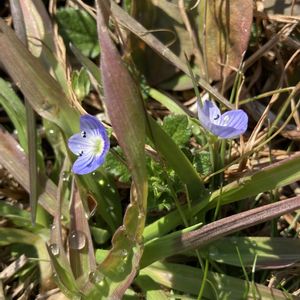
126	112
31	17
181	242
63	274
36	22
227	31
14	159
136	28
41	90
274	176
81	249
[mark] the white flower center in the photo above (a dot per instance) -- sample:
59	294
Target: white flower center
98	145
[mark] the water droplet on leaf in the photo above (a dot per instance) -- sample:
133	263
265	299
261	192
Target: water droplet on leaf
95	277
110	208
141	216
77	240
54	249
66	176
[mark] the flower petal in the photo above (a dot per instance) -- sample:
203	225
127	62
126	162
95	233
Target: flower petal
92	125
233	123
85	164
209	114
203	116
237	119
225	132
77	144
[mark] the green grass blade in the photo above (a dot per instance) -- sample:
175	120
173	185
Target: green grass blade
176	243
271	253
125	108
15	111
219	286
40	89
277	175
176	160
136	28
15	161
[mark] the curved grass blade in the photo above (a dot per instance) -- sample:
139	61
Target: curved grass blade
272	253
164	143
188	279
41	90
15	161
125	108
174	244
19	24
81	249
141	32
15	111
176	160
277	175
62	270
19	236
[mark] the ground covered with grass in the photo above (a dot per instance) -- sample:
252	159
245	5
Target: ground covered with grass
149	149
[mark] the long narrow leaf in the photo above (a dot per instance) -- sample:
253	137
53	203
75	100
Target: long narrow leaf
136	28
218	286
127	115
170	245
15	161
277	175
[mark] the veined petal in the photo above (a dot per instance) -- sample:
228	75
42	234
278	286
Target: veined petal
85	164
237	119
203	115
92	145
212	111
91	125
225	132
77	144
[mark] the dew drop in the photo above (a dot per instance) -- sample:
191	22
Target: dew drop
54	249
124	252
122	228
110	208
51	131
77	240
101	283
20	148
101	182
121	268
94	173
141	216
95	277
53	227
66	176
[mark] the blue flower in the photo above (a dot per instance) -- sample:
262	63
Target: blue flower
226	126
91	145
